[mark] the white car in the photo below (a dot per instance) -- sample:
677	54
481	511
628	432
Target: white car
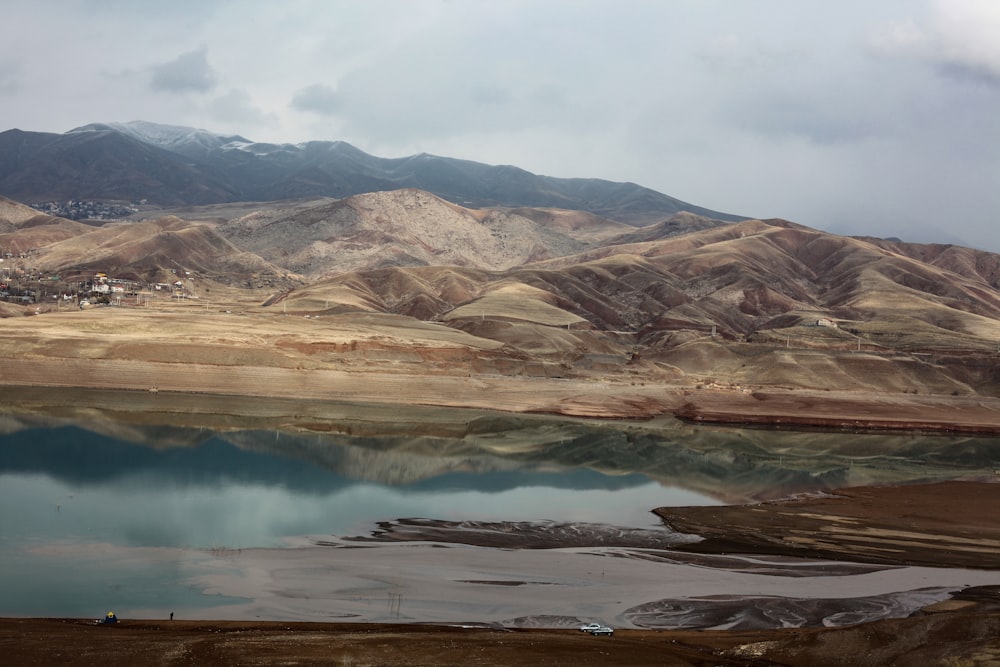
590	627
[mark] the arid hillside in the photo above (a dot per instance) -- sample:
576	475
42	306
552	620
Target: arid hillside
754	302
13	213
403	228
548	293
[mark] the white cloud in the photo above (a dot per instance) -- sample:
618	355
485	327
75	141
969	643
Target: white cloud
959	37
968	34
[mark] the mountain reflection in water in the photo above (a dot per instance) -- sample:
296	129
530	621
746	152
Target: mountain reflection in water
77	485
322	449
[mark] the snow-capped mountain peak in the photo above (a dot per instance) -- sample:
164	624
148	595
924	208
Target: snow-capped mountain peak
176	138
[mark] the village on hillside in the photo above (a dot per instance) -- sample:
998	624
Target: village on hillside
24	285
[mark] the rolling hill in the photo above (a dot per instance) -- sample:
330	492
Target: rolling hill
405	228
552	292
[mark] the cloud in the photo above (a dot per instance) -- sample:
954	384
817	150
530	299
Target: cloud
237	107
957	37
816	111
966	32
740	55
899	36
476	72
10	79
189	72
318	98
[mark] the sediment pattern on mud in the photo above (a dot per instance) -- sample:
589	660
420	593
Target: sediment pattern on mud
760	612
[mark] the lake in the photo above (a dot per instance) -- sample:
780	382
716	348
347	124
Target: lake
125	508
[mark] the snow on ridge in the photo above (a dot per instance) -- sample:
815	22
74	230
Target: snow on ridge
160	135
185	140
259	148
170	137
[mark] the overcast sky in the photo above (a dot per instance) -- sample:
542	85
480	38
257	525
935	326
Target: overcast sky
849	115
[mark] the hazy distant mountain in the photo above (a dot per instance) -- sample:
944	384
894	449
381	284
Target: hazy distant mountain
170	165
106	164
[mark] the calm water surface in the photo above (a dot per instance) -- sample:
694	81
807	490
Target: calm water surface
93	521
104	515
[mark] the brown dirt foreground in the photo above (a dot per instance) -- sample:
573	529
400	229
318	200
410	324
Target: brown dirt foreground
948	524
933	639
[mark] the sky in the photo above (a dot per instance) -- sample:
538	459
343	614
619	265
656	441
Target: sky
851	116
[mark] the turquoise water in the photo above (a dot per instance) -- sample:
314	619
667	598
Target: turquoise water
110	516
92	522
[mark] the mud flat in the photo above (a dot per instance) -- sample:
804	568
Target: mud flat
840	566
946	524
976	415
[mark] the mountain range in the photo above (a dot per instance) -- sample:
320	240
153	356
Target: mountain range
538	289
171	166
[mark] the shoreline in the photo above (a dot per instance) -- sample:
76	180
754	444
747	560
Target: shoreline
796	409
603	398
246	350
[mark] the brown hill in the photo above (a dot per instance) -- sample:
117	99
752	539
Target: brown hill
976	264
14	213
756	303
153	251
788	305
677	224
742	279
398	228
579	225
38	231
